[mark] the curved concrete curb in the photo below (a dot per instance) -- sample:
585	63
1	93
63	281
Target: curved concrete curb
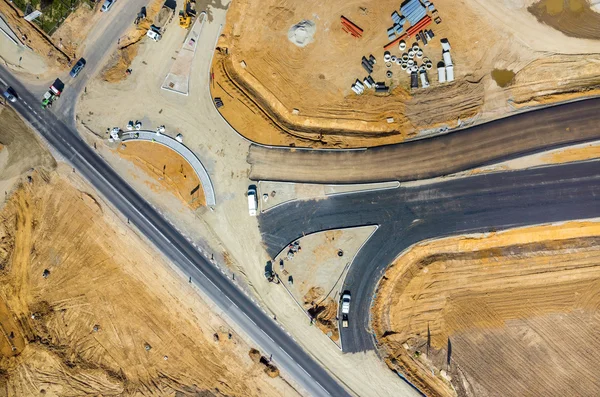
185	152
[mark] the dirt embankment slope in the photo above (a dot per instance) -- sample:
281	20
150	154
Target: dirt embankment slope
90	310
510	313
277	93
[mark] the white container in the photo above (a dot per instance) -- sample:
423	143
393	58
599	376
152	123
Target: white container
447	58
410	62
450	73
445	45
411	54
442	75
387	56
402	45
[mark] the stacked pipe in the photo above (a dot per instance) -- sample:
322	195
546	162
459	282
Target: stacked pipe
419	26
349	27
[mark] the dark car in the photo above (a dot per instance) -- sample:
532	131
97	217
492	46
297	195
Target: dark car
77	68
10	95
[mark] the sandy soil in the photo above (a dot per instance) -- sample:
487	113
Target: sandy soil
262	77
516	311
129	45
169	170
315	272
110	317
71	34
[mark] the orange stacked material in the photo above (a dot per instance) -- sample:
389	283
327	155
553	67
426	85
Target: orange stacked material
419	25
349	27
394	42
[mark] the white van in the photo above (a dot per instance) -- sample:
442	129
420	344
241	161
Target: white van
252	200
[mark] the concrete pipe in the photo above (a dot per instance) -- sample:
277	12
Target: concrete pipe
404	57
415	47
410	62
393	59
387	56
398	61
403	65
420	54
429	65
388	65
408	69
411	54
388	74
402	45
426	60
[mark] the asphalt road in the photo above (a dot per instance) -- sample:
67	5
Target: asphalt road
409	215
268	335
488	143
101	41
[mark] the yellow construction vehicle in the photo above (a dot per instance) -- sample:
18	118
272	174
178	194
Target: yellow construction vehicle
187	14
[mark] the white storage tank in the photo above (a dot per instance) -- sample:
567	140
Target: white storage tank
447	58
450	73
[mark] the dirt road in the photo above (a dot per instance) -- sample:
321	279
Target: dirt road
464	149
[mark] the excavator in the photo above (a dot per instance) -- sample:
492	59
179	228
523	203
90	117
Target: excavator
187	14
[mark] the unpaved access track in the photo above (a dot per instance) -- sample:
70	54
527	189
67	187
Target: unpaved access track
483	144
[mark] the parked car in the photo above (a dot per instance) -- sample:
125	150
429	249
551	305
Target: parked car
107	4
252	200
10	95
77	68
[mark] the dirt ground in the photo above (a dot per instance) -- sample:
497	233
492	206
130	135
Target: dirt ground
34	38
129	44
515	311
168	169
315	272
279	94
109	317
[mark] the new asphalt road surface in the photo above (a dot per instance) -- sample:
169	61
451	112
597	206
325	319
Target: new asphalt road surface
267	334
457	151
409	215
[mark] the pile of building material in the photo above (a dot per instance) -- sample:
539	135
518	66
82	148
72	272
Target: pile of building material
445	68
350	27
368	82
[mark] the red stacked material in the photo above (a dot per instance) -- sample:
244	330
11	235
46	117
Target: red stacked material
349	27
410	32
419	25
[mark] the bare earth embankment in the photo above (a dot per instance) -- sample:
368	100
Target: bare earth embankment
518	311
278	93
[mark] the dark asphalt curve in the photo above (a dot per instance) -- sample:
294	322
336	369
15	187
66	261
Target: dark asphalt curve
409	215
272	339
457	151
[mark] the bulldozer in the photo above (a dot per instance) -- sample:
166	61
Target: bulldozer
187	14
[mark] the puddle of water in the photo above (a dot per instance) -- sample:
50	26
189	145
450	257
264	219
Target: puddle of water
503	77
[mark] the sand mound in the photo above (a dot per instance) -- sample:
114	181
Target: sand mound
301	34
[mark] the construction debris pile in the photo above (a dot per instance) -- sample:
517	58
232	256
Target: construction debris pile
412	21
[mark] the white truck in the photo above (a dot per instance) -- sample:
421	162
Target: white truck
252	200
345	308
